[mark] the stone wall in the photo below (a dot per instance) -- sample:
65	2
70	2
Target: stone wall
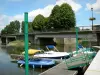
68	43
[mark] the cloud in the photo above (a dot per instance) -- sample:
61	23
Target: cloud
75	6
19	17
3	20
46	11
95	6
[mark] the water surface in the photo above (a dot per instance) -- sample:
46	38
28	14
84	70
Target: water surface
9	68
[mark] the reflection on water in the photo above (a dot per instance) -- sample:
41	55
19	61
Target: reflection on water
9	68
6	67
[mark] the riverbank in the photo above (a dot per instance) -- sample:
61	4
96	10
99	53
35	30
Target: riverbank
16	43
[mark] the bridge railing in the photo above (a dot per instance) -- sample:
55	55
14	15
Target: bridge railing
81	28
85	28
89	28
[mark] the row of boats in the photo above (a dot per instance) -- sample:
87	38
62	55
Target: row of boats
40	58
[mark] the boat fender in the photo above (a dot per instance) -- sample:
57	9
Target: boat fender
21	65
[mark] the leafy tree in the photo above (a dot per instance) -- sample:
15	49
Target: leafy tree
30	29
45	23
39	23
17	26
12	28
54	20
3	31
62	17
22	27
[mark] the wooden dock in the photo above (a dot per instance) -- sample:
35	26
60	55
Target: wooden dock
60	69
94	68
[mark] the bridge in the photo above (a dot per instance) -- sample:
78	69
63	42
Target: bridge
37	37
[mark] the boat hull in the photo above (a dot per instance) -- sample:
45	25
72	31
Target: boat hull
38	63
58	57
53	55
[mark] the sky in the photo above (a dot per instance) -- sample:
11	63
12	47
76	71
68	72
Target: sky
11	10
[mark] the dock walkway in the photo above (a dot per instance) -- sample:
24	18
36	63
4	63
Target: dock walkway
94	68
60	69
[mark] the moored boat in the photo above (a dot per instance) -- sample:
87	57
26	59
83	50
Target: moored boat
52	54
32	51
41	63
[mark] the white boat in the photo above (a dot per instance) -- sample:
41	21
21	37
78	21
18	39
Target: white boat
52	54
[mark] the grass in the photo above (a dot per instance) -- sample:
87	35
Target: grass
16	43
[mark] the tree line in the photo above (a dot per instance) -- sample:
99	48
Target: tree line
61	18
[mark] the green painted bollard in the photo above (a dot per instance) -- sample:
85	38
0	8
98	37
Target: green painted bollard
26	42
76	40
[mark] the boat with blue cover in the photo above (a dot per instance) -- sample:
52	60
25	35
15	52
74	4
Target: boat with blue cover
38	63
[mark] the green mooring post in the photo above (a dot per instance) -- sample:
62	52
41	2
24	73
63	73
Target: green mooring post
76	39
26	41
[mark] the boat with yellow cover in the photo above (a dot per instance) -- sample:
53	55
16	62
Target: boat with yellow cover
32	51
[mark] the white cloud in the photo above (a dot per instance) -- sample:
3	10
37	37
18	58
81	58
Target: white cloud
75	6
47	10
44	11
95	6
19	17
3	20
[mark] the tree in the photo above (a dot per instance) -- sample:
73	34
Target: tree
12	28
3	31
54	20
22	27
17	26
39	23
30	29
62	17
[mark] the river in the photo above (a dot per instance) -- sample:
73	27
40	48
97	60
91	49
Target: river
9	68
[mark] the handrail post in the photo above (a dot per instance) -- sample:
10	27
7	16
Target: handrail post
76	40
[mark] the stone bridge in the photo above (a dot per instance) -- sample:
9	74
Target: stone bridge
47	37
